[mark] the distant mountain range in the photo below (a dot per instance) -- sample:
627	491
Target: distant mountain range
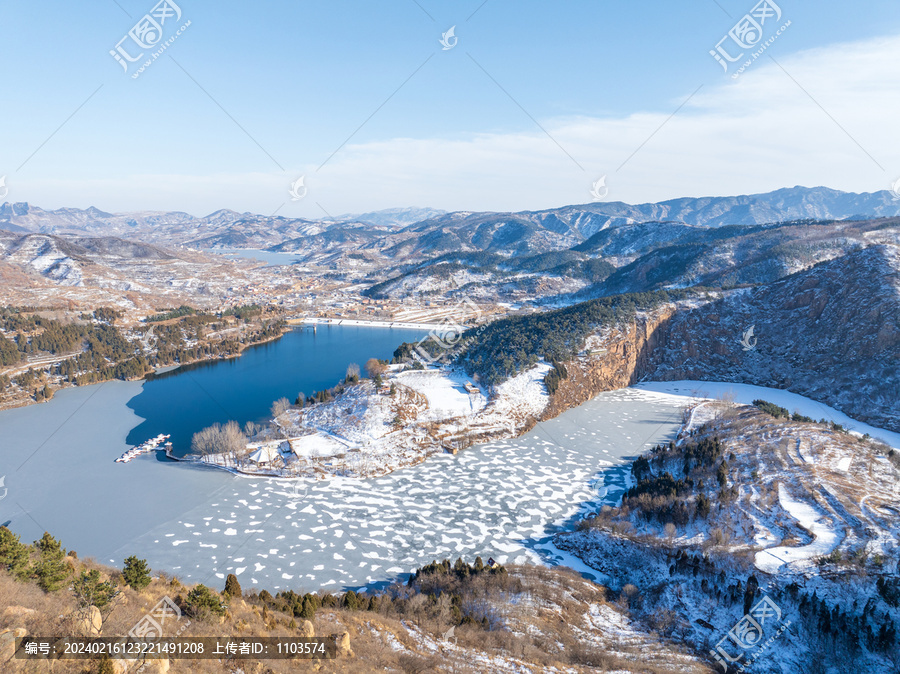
392	217
410	235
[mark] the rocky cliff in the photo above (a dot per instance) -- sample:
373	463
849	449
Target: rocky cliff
831	333
615	358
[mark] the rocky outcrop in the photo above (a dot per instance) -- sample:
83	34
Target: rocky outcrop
8	643
831	333
17	614
342	643
89	621
614	359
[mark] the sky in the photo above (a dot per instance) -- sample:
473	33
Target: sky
527	105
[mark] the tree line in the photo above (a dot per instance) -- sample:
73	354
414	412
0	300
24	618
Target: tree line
511	345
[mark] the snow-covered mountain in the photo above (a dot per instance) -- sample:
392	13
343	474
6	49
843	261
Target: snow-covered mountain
393	217
415	233
831	332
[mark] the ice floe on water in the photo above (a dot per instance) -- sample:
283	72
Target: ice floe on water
503	500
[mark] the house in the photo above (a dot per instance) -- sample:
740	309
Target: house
491	563
265	455
471	388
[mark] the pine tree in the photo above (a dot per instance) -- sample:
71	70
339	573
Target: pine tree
90	590
351	600
308	610
14	554
136	573
232	586
51	569
203	602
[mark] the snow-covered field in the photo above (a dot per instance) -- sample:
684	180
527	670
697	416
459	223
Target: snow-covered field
745	394
317	445
445	392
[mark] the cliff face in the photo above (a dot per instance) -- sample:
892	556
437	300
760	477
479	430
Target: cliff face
627	356
831	333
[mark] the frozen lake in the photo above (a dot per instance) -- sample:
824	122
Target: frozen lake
503	499
272	259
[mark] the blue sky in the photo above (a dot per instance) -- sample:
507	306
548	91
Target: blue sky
534	103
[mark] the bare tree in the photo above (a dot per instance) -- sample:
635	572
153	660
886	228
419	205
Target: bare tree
219	439
375	368
352	373
280	406
204	442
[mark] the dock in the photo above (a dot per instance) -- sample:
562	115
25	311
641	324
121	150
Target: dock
145	448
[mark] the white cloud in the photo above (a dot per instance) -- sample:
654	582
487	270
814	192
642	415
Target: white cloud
755	134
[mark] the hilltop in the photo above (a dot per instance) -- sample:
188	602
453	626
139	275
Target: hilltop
746	505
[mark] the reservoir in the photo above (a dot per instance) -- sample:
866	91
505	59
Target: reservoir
182	401
504	499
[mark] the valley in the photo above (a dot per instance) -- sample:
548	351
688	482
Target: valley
710	399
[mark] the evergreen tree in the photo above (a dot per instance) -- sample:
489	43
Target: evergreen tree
90	590
232	586
702	506
351	600
51	569
722	474
14	554
308	610
750	593
203	602
136	573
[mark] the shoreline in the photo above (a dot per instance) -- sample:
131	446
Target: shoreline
690	391
354	322
163	369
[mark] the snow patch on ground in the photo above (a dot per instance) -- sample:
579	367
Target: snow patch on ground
445	392
821	527
745	394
